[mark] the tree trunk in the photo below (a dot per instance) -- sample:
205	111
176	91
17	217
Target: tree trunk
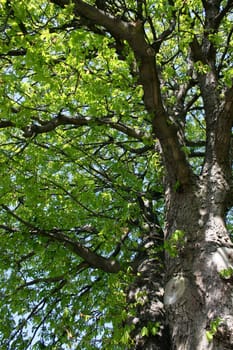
198	298
192	300
150	329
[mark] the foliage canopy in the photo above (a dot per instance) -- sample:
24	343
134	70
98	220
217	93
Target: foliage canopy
82	171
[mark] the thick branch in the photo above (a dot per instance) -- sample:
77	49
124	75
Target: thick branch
94	260
218	118
5	123
223	132
175	158
114	25
14	52
221	14
44	126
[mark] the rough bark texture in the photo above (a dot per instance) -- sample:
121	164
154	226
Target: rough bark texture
195	294
147	292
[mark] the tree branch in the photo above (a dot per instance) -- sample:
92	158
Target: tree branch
14	53
43	126
5	123
133	32
74	199
114	25
223	13
39	306
223	132
94	260
42	280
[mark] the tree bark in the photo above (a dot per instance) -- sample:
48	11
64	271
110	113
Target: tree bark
191	294
146	292
196	293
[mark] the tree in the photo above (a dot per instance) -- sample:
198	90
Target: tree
116	191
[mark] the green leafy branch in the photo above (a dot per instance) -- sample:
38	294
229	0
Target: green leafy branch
213	328
226	273
173	244
152	328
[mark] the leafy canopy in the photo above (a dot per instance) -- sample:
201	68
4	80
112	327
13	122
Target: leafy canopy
80	164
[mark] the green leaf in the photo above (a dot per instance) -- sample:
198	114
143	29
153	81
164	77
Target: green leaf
144	332
209	336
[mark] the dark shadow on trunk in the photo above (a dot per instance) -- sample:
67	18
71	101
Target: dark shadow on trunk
146	292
